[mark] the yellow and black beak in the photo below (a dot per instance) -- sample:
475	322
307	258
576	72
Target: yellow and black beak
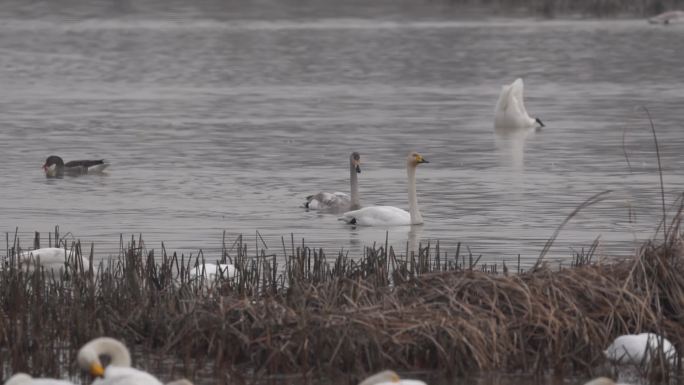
420	159
96	370
358	168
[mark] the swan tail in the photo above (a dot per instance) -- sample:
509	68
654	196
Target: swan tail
348	219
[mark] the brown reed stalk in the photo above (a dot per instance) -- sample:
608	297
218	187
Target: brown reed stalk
302	313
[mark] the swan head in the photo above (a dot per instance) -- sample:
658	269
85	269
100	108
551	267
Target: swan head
355	161
384	376
415	159
89	355
539	122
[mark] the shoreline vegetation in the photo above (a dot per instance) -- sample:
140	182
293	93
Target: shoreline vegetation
591	8
304	314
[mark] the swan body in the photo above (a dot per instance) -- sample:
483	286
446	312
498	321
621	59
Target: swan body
212	271
328	201
51	258
339	201
603	381
55	167
390	215
114	375
389	377
668	18
510	108
637	349
378	216
119	370
25	379
208	274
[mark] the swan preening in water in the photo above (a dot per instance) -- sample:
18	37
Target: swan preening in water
119	370
510	109
339	201
52	258
55	167
638	349
389	377
390	215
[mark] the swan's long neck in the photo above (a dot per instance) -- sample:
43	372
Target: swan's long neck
416	218
354	181
117	352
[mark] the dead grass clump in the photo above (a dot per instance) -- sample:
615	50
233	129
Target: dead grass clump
302	313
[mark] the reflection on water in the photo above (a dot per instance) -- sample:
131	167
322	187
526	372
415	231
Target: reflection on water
228	119
510	145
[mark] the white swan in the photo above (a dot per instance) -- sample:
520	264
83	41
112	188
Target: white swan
637	349
118	372
390	215
668	17
25	379
339	201
510	109
51	258
389	377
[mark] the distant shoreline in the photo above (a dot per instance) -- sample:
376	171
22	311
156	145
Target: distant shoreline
572	9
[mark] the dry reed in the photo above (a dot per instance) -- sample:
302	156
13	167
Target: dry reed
302	313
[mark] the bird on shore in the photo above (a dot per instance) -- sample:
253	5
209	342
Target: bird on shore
339	201
389	377
25	379
119	370
390	215
638	349
510	109
55	167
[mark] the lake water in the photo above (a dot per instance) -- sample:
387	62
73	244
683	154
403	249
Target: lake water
225	116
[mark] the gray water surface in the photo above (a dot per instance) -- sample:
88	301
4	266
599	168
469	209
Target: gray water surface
216	118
